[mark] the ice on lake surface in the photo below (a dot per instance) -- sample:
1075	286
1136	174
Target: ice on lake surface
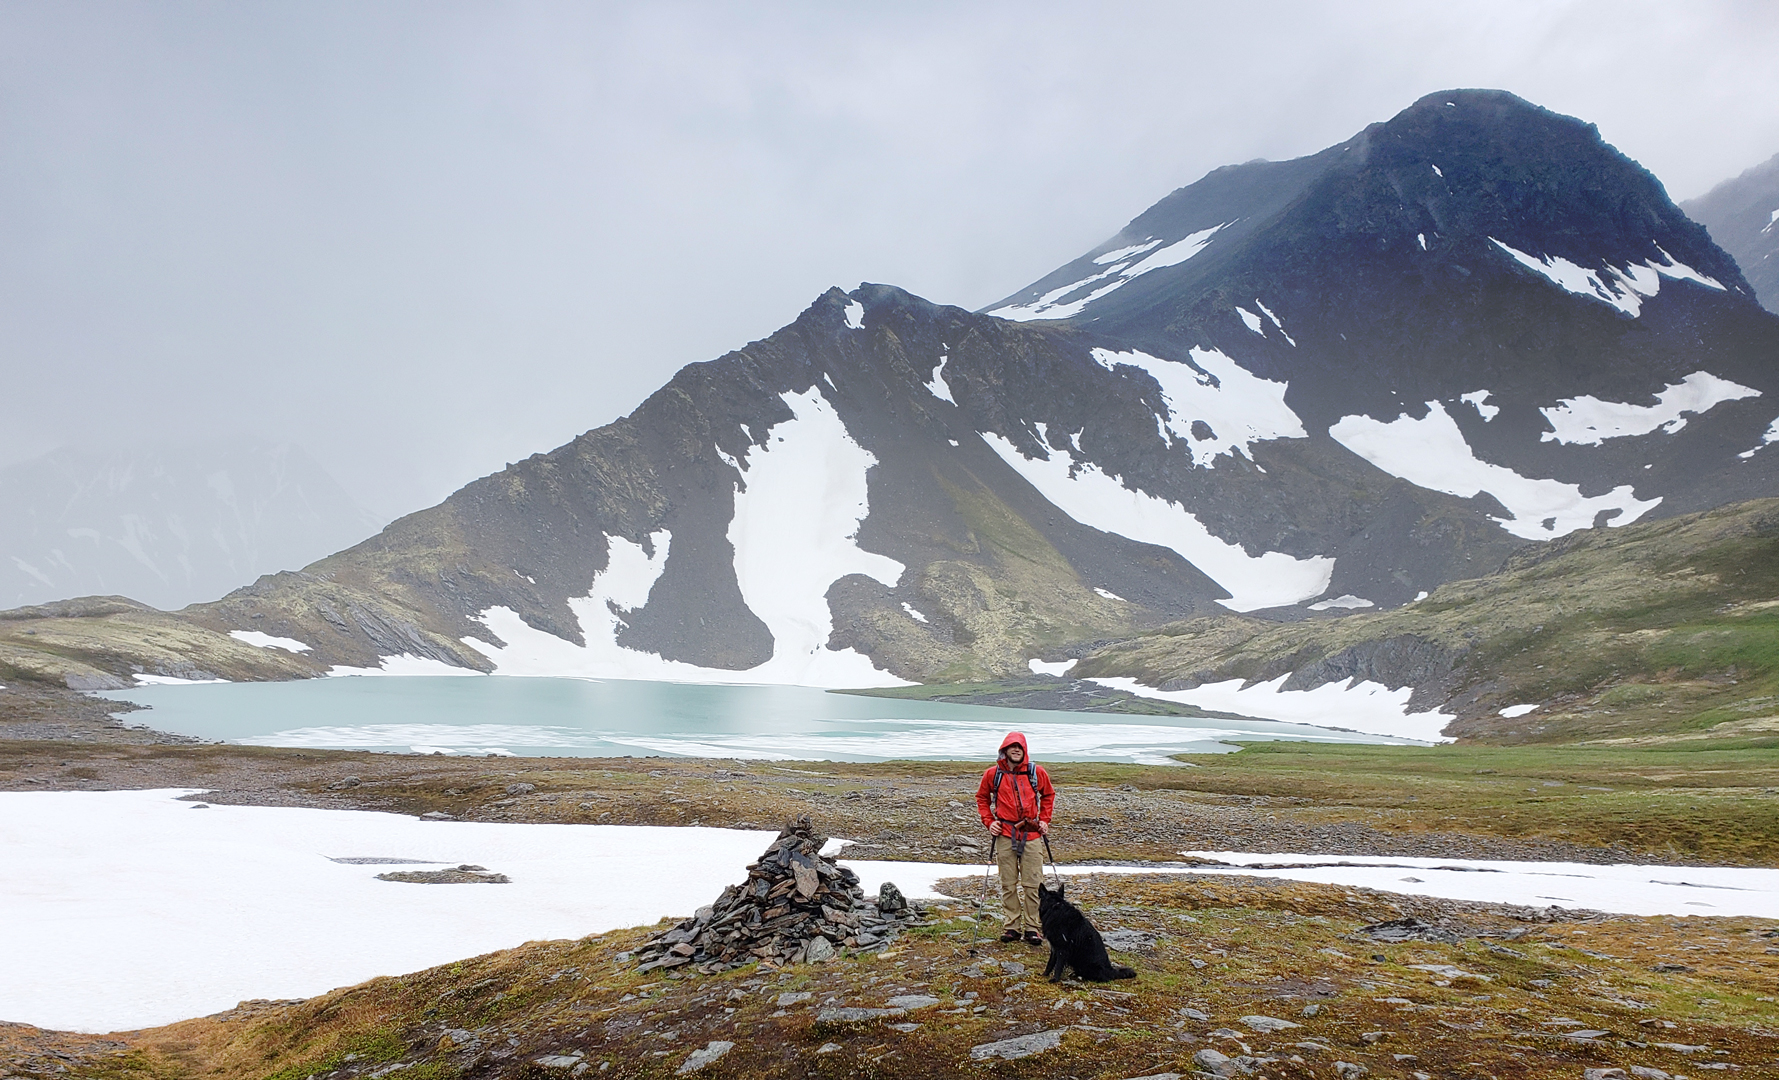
620	717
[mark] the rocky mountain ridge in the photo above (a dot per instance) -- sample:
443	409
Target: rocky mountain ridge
1291	390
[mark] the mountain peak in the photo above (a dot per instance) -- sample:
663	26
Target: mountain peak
1460	182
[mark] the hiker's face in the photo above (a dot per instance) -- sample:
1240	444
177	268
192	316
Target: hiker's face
1015	753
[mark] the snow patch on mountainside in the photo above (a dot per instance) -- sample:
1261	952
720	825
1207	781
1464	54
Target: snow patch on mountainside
1238	407
1090	496
1275	321
266	641
855	316
1589	421
402	664
1624	289
1345	602
1368	707
793	532
1480	399
1431	452
939	387
1123	253
1766	440
1051	306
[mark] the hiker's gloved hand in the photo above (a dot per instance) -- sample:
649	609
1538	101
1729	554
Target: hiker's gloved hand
1043	828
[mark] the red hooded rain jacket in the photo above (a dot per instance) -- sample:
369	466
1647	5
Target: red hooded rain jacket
1017	796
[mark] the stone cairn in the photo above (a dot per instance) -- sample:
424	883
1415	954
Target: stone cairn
795	907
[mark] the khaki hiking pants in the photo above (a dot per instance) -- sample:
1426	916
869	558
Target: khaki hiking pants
1019	883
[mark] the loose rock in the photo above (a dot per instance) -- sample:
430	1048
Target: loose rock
1022	1046
1268	1023
1217	1064
700	1058
1408	930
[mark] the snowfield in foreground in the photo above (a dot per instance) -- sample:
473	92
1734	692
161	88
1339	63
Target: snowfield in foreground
128	909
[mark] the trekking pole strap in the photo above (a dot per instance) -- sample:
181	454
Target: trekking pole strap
1052	855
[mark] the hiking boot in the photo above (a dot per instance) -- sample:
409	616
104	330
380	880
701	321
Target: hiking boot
1009	936
1033	938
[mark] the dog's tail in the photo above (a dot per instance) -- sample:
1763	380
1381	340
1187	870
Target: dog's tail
1119	971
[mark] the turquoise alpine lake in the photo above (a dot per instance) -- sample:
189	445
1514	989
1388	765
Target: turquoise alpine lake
494	714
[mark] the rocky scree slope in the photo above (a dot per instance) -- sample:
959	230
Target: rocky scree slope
1665	631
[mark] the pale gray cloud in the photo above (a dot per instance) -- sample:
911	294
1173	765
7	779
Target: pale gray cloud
423	238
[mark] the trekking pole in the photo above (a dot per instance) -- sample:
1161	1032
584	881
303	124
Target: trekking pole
982	909
1054	870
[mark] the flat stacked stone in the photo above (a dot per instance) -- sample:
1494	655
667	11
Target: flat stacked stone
795	907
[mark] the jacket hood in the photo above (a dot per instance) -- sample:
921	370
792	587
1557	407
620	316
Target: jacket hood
1015	738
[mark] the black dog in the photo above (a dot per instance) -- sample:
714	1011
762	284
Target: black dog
1074	943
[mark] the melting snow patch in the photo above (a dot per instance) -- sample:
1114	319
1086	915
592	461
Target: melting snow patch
1252	320
242	902
1437	173
1623	888
855	316
1050	305
939	387
204	888
1039	667
405	664
1771	221
1239	407
1108	594
1588	421
266	641
1347	600
1097	499
1515	711
169	680
913	614
1771	437
1367	707
1480	399
1177	252
1124	253
1624	289
1275	321
1432	453
794	533
1421	239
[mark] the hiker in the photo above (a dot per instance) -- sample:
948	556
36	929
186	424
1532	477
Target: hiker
1015	800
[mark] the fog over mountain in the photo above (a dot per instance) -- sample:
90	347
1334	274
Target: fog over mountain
439	236
1743	216
167	524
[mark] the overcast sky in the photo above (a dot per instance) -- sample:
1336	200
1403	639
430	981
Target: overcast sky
424	239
